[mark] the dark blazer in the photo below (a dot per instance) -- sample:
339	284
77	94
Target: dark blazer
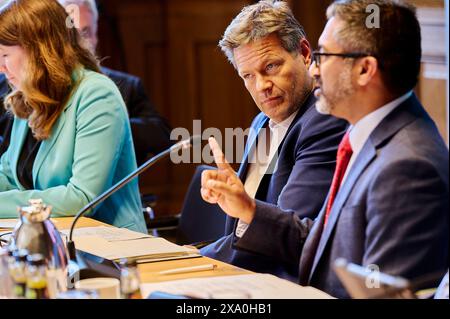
391	210
306	163
151	133
5	118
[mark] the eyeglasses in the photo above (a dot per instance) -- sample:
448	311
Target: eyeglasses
316	55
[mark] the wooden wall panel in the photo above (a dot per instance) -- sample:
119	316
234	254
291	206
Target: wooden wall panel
172	46
226	103
311	15
199	73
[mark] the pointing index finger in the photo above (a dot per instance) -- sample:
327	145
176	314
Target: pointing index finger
219	157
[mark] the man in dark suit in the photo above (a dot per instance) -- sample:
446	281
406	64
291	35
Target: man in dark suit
301	143
151	132
387	208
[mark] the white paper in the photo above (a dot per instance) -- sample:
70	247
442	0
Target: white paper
251	286
7	224
108	233
145	248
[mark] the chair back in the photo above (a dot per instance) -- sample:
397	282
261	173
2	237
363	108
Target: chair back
199	220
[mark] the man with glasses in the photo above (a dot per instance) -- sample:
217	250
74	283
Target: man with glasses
387	207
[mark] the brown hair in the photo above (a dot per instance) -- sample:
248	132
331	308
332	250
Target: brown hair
259	20
395	42
54	52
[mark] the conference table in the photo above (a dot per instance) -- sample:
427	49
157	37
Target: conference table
150	272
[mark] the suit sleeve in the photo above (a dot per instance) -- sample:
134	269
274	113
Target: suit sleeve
407	231
286	225
100	129
151	133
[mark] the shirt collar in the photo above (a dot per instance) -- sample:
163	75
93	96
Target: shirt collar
283	126
359	133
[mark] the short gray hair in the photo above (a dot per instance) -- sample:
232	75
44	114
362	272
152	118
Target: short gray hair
259	20
90	4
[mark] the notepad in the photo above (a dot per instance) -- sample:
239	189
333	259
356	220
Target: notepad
248	286
106	232
149	248
7	224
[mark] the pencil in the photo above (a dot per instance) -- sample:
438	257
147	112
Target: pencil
188	269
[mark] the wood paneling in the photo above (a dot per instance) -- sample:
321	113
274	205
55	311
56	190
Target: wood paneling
311	15
205	86
172	46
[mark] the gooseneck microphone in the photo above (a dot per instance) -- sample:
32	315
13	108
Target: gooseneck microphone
173	149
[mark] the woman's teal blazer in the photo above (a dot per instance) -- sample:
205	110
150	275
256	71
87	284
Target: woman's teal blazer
90	149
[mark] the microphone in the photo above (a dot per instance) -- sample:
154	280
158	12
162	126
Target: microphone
99	199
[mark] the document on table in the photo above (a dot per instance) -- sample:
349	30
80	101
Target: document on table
8	224
147	248
251	286
108	233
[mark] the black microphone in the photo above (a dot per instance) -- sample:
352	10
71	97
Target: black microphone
173	149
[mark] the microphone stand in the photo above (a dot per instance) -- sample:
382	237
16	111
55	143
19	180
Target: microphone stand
99	199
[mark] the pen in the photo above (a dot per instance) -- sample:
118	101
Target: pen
188	269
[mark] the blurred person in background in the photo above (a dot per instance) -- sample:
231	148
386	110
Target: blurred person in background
71	138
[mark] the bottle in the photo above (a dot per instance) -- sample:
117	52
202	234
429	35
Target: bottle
17	271
129	279
6	283
36	273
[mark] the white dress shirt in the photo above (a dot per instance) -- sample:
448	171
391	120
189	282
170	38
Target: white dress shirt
260	159
360	132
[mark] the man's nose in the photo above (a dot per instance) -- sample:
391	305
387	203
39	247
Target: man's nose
2	66
263	83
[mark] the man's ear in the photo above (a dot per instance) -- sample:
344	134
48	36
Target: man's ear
366	69
305	50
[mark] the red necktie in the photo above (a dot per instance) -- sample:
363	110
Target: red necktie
343	157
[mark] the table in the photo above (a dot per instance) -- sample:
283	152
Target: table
149	272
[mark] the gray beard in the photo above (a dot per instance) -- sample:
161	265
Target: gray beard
322	106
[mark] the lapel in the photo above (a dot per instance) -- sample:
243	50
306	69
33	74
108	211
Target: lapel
404	114
252	142
364	158
251	145
46	146
231	223
264	185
